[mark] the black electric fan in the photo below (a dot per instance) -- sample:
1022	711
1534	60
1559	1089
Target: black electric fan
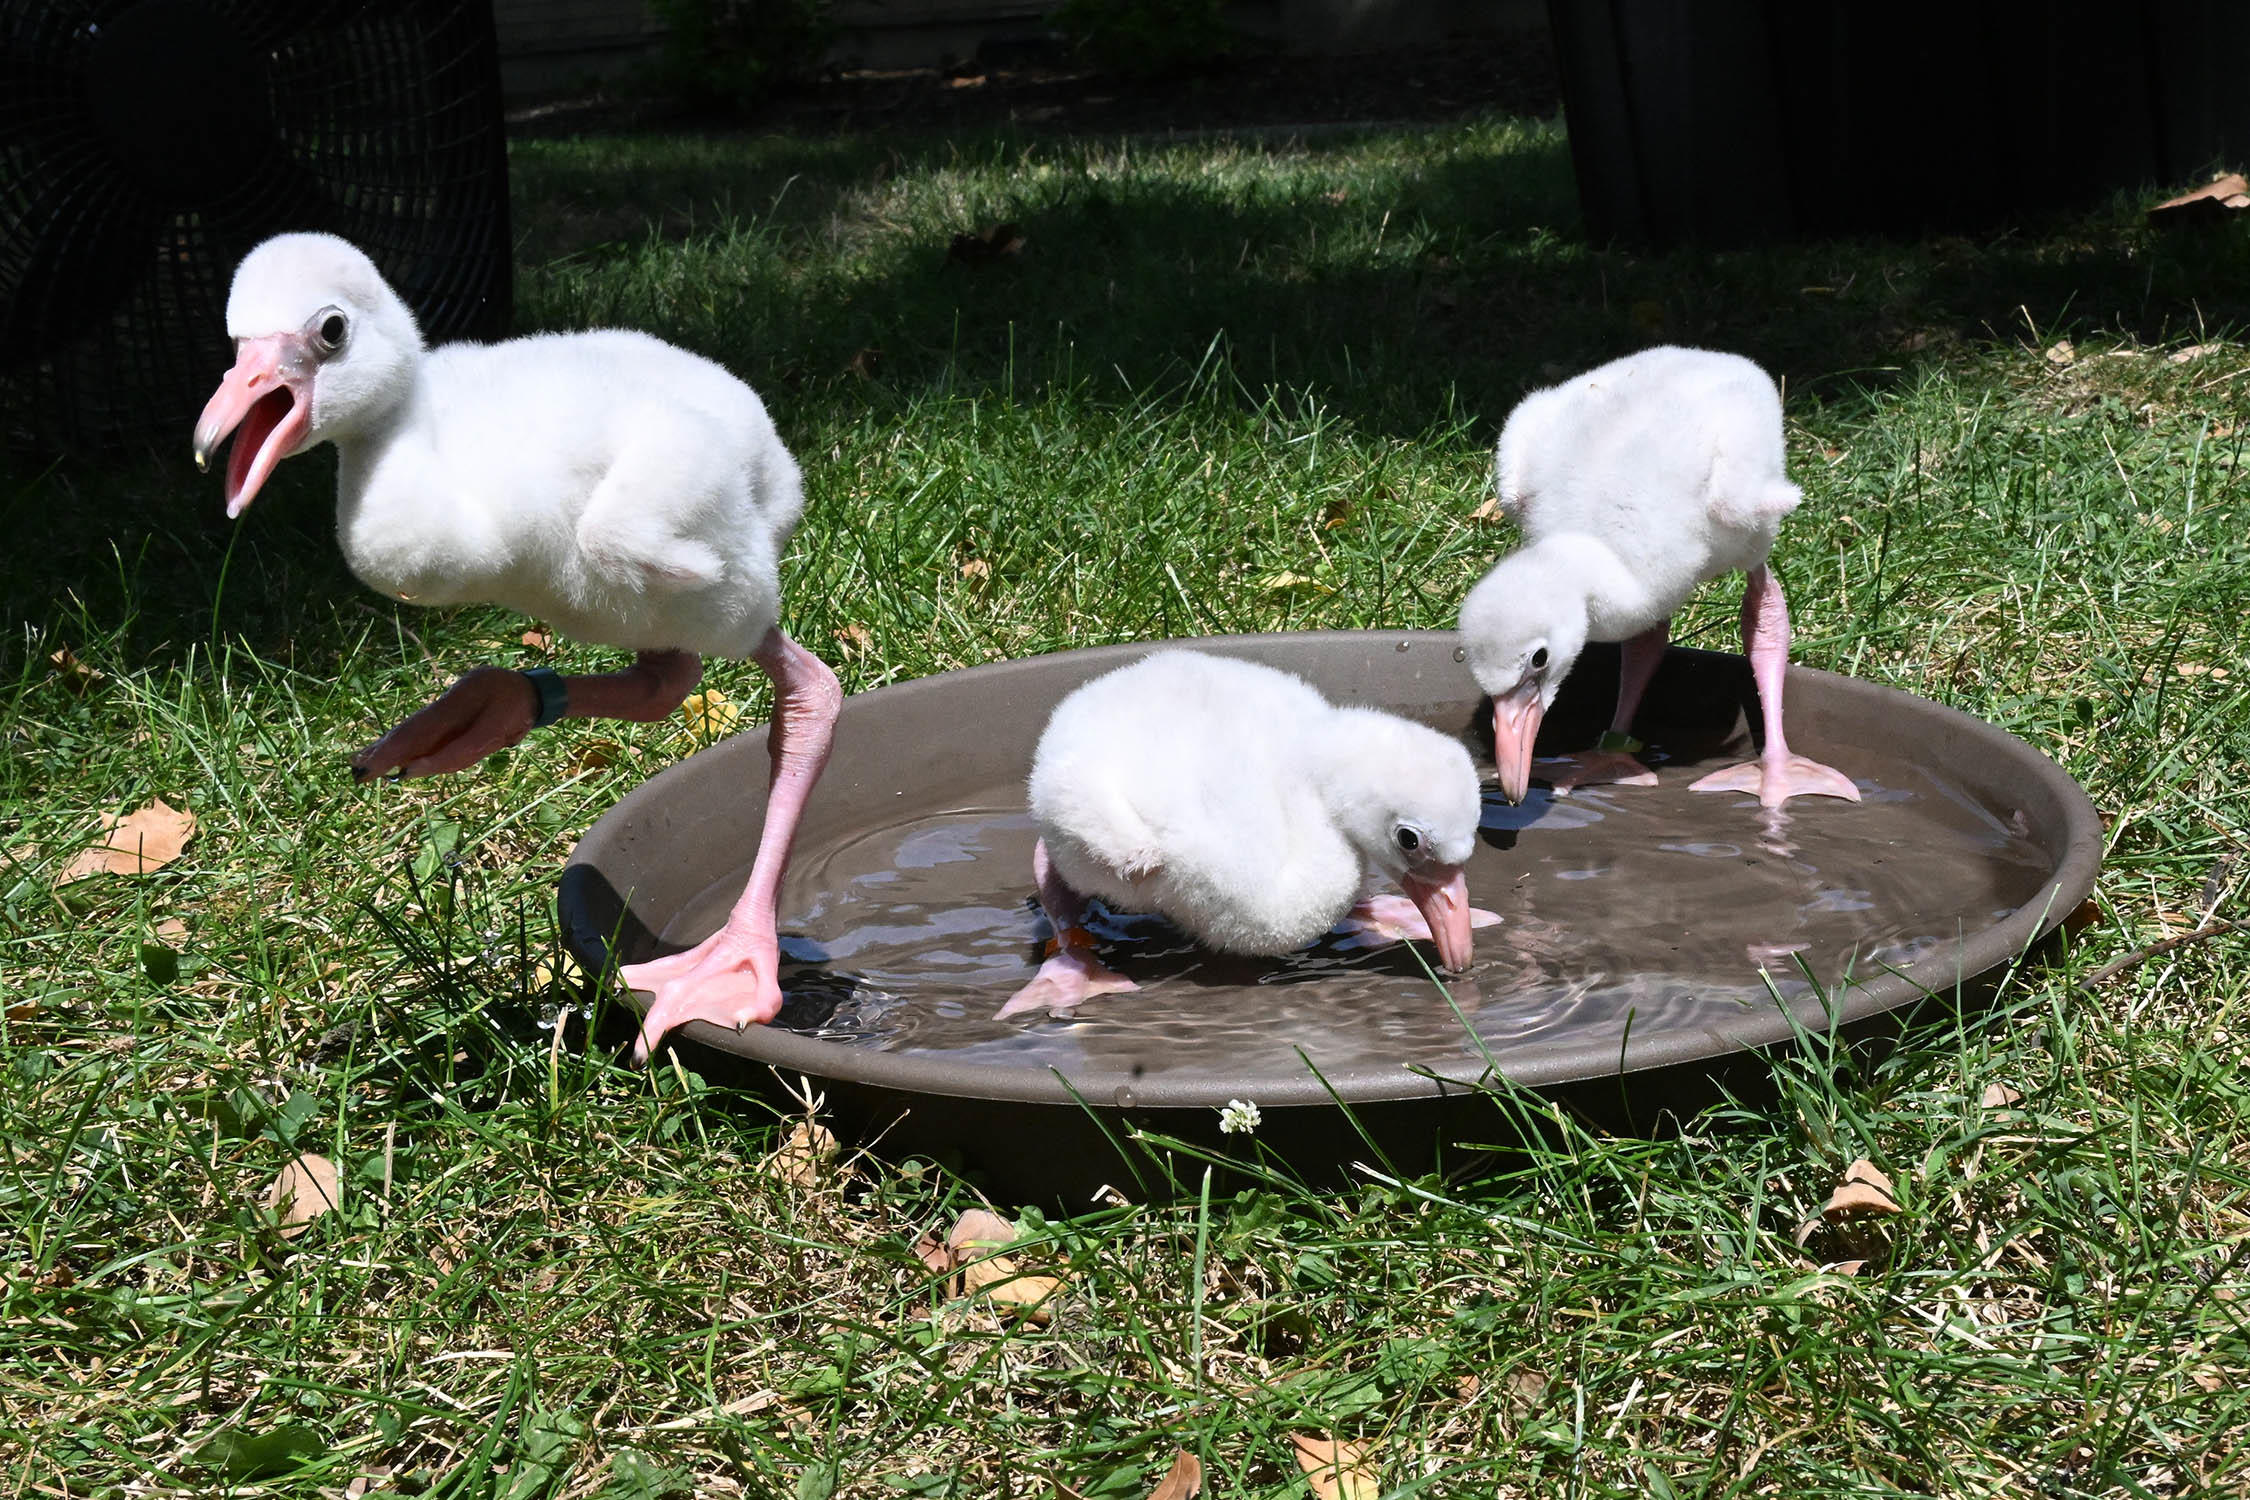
147	145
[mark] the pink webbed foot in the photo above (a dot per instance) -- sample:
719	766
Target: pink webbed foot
1385	918
1775	782
1599	768
728	979
1070	976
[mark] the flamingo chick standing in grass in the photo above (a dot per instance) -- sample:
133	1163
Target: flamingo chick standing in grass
1235	800
1633	484
627	491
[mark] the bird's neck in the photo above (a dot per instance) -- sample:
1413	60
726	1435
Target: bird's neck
1619	603
410	526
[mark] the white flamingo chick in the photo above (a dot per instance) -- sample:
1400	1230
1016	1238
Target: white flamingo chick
1634	483
1235	800
629	492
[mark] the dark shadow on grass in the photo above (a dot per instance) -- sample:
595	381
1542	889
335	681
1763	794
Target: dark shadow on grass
1440	277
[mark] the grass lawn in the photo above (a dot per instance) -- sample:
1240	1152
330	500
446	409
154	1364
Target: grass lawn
1223	386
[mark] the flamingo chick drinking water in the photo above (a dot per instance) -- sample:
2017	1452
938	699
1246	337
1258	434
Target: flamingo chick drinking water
1633	484
1235	800
627	491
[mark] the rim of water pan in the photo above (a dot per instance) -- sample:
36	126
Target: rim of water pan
2071	830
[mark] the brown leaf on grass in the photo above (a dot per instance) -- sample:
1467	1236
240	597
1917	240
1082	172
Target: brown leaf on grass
1999	1096
1848	1267
538	639
1336	1471
1183	1481
145	839
969	1249
172	930
992	243
2062	352
856	639
1864	1193
307	1188
1489	511
798	1160
2211	203
76	675
22	1010
2082	916
977	570
996	1278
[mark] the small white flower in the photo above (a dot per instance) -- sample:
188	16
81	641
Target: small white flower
1240	1117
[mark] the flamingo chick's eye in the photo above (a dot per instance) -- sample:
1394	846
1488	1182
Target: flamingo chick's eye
1408	839
1539	660
331	331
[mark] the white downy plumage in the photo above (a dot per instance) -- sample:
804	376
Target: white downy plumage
1235	800
626	491
1633	484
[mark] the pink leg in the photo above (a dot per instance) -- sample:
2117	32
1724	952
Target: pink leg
730	977
492	708
1776	775
1637	662
1071	973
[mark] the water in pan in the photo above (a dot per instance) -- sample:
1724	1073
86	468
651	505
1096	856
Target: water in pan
1647	908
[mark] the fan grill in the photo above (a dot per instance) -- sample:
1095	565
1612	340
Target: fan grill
147	145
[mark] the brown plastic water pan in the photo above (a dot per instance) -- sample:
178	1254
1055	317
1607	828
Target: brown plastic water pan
1651	937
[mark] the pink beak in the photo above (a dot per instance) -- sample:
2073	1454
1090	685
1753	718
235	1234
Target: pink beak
1515	726
268	396
1444	904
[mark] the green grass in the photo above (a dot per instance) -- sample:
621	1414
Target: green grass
1214	368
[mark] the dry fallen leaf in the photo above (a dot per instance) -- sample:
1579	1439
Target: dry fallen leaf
2061	352
709	715
1848	1267
1183	1481
146	839
1336	1471
856	639
1864	1193
1489	511
977	568
22	1010
1999	1096
307	1188
172	930
538	639
562	969
798	1160
76	675
970	1248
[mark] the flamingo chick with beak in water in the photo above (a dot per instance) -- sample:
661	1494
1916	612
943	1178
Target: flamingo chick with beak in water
627	491
1633	484
1235	800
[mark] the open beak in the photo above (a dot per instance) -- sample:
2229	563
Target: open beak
1515	726
1444	904
266	402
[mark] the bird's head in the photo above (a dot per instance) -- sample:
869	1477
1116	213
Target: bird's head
1523	628
323	349
1407	798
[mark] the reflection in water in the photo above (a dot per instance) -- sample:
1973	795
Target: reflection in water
1640	909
